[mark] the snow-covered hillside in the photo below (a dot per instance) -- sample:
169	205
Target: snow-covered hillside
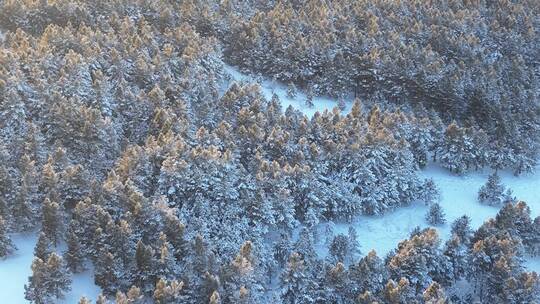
381	233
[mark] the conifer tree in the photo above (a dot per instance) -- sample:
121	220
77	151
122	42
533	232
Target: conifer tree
398	293
309	99
23	210
454	151
52	221
101	299
58	276
174	230
74	256
169	292
296	284
133	296
420	260
49	280
461	227
456	251
145	263
282	248
368	275
430	192
107	275
239	278
366	298
434	294
166	266
305	247
6	245
354	244
6	188
36	291
291	90
335	283
43	247
492	193
435	215
84	300
121	241
342	104
522	288
329	232
215	298
339	248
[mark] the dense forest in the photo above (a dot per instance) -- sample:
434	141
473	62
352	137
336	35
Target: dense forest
123	138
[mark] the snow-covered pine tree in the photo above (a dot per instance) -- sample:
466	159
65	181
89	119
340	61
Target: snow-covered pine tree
240	281
36	291
49	280
58	277
121	241
43	248
74	255
342	104
101	299
522	288
420	260
368	275
456	251
339	248
52	221
107	273
434	294
215	298
492	193
291	90
282	249
455	152
145	262
23	210
166	266
6	244
329	232
84	300
335	284
354	245
174	230
304	246
435	215
461	227
367	298
169	292
133	296
400	292
296	284
430	192
309	97
6	186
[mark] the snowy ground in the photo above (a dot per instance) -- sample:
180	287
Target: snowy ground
459	193
270	87
15	270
